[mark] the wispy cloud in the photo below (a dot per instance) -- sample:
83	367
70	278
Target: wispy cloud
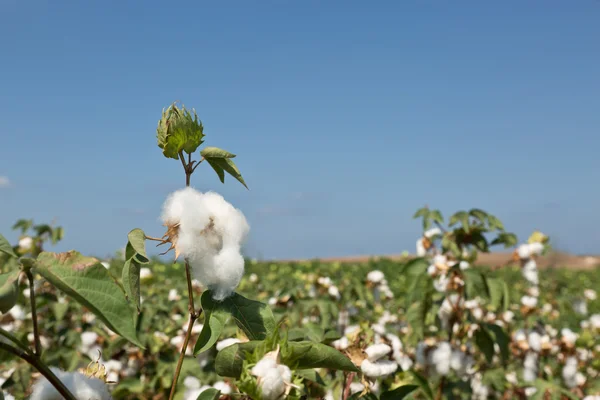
4	182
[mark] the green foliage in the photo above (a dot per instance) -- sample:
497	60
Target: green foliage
6	248
209	394
9	290
179	130
85	280
221	161
399	393
135	255
307	354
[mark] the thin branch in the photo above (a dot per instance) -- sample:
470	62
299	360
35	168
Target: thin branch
186	341
36	331
348	378
196	166
40	366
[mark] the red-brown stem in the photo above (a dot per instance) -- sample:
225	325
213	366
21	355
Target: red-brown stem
348	382
36	332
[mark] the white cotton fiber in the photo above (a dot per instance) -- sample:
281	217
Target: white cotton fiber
210	235
81	386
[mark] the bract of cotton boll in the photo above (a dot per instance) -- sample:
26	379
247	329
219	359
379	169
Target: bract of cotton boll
378	369
421	250
590	294
208	232
530	367
226	343
375	276
432	232
529	301
440	358
80	385
376	351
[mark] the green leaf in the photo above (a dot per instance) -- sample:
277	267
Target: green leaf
494	223
496	287
179	130
399	393
475	283
507	239
57	234
554	390
136	246
253	317
5	247
485	343
419	302
23	224
461	217
209	394
500	337
131	281
421	381
227	165
478	214
436	216
216	315
85	280
448	244
215	152
310	375
422	212
229	361
305	355
13	339
9	290
496	378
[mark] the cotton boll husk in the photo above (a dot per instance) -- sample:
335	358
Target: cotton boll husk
81	386
376	351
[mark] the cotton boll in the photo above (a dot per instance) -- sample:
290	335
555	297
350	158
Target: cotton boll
226	343
440	358
174	295
441	284
530	391
25	244
395	342
580	307
511	378
530	367
376	351
404	361
224	387
228	267
191	382
590	294
432	232
529	301
341	344
17	313
480	391
568	336
524	251
375	276
534	340
145	273
334	292
7	396
81	386
595	321
273	378
379	368
530	272
569	372
536	248
464	265
356	387
421	250
508	316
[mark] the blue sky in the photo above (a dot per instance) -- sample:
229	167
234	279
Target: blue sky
346	117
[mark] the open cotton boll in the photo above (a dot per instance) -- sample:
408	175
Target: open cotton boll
421	250
440	358
524	251
82	387
590	294
432	232
569	372
529	301
273	378
376	351
568	336
26	243
208	232
375	276
530	367
536	248
378	368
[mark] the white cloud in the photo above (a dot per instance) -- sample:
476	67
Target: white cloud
4	181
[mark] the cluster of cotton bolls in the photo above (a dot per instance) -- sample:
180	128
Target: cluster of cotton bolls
274	379
526	254
332	290
376	279
442	358
193	387
378	364
82	386
209	233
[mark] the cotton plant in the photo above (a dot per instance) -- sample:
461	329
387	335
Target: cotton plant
206	234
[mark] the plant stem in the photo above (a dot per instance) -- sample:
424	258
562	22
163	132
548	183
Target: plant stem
33	360
440	389
182	355
36	332
347	383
